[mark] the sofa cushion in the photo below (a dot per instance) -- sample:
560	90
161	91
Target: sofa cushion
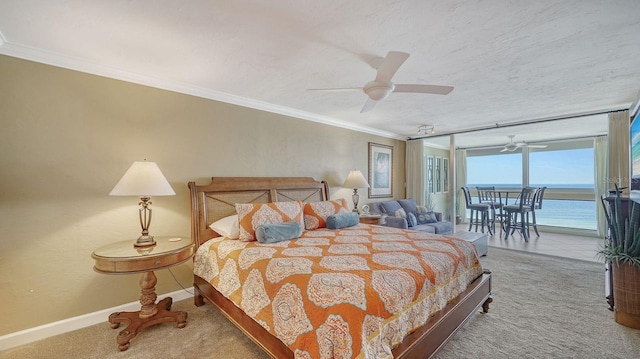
396	222
425	228
376	208
393	208
442	227
409	205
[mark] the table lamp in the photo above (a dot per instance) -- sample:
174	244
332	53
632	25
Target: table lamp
355	180
143	179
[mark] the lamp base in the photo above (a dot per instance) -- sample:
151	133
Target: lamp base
145	241
356	199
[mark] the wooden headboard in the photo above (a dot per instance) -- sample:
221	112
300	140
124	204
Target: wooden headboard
217	199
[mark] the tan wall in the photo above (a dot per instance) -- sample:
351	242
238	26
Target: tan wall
67	137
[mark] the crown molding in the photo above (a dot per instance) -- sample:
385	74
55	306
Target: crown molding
83	65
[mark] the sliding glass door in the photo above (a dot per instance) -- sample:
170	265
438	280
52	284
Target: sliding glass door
566	168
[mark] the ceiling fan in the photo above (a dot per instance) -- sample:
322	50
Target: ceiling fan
512	146
381	87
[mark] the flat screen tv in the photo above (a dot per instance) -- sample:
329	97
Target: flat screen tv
634	137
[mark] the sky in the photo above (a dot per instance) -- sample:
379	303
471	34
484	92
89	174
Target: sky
545	167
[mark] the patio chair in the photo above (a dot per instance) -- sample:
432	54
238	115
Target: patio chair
487	195
537	206
525	205
479	212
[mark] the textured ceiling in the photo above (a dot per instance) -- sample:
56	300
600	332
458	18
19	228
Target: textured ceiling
509	61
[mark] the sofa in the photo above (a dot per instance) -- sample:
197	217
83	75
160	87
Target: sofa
405	213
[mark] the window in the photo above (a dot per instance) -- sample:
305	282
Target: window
503	170
566	168
570	168
566	171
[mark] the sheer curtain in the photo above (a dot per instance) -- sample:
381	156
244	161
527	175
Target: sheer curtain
461	180
618	150
415	170
600	147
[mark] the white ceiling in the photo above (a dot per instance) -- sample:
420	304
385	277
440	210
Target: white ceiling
510	61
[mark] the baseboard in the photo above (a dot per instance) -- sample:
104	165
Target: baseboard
82	321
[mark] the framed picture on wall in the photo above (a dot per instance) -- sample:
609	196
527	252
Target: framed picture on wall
438	172
380	170
445	175
430	176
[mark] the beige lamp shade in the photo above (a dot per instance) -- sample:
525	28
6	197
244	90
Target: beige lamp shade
354	180
143	179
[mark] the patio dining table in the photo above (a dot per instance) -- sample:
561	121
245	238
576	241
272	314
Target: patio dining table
504	197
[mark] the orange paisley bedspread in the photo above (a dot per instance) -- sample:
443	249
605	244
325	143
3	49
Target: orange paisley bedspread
348	293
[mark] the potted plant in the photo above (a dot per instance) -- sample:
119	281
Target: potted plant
622	252
429	201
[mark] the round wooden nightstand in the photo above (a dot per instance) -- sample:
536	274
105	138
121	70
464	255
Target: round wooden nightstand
370	218
124	258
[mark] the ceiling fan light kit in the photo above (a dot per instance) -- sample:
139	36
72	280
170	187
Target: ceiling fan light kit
378	90
426	129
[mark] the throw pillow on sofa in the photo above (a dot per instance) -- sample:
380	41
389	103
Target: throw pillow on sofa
426	217
412	221
422	209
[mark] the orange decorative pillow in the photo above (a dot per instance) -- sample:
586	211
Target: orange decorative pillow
251	215
316	213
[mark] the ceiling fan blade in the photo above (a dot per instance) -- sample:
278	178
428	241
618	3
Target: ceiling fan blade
336	89
390	65
432	89
368	106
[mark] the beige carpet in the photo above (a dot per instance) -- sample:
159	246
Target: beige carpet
544	307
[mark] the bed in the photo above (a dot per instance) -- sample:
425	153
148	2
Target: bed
390	331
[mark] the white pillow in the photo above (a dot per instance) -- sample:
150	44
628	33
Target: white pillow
227	226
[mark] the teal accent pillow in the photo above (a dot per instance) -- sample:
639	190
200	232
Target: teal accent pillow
342	220
426	217
272	233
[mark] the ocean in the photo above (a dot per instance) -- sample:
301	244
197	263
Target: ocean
562	213
565	213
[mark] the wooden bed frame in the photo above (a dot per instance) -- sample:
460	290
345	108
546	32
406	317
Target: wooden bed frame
217	200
